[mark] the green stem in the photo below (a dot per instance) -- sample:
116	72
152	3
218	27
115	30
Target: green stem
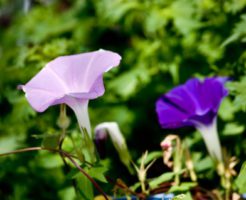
225	176
177	161
176	180
227	194
227	186
189	163
67	168
60	148
143	187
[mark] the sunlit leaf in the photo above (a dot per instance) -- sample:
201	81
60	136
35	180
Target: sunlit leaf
241	179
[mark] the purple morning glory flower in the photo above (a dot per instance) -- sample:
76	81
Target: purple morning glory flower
195	103
72	80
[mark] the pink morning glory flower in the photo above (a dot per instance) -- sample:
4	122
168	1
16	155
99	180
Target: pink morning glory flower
72	80
195	103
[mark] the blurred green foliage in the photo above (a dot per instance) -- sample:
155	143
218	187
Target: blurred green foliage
240	181
163	43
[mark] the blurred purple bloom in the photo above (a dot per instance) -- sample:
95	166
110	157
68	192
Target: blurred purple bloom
194	103
72	80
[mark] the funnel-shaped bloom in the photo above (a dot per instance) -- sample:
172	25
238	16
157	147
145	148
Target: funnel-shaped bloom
195	103
72	80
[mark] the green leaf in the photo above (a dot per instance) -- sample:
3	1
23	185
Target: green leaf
10	142
98	172
235	6
241	179
183	187
239	90
126	84
227	110
51	141
21	111
85	187
184	16
116	9
203	164
151	156
161	179
73	173
155	21
238	32
67	194
49	160
233	129
174	71
135	186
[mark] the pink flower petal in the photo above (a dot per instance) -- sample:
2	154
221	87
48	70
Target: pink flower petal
77	76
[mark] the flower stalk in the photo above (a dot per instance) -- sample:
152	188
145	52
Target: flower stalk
65	154
210	136
142	172
189	164
81	111
177	160
63	123
227	171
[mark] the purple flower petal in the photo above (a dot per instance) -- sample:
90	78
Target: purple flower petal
195	103
191	103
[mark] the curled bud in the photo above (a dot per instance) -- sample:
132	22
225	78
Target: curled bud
112	129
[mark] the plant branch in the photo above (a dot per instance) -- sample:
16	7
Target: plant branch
70	157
